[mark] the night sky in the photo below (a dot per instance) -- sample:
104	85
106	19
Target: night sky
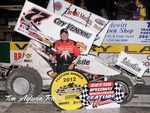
92	5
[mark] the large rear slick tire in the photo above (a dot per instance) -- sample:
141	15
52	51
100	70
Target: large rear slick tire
126	86
24	81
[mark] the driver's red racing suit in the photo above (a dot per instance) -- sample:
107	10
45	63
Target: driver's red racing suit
66	53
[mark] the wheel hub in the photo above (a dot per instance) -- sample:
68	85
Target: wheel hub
21	86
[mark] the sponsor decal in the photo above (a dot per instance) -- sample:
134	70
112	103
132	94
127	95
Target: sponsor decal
99	24
46	41
133	65
28	55
127	62
18	55
27	60
57	6
81	46
72	28
97	27
52	39
35	35
83	64
39	36
75	12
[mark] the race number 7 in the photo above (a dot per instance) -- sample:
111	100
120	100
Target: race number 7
36	16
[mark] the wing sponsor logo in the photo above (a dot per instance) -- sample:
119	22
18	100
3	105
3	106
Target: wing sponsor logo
57	6
72	28
75	12
127	62
99	24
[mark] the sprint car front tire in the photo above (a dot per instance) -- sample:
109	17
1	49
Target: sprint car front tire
24	81
126	86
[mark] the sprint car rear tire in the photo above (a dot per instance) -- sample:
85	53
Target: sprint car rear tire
126	86
37	76
24	81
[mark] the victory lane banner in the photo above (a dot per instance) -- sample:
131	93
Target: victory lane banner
44	26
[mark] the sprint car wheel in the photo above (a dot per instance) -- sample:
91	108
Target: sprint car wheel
126	87
22	82
37	76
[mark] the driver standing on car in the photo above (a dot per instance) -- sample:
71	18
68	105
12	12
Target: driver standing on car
67	53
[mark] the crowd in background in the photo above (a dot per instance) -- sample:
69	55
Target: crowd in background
124	9
109	9
121	9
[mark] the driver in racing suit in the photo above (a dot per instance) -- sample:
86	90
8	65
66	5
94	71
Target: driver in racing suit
67	53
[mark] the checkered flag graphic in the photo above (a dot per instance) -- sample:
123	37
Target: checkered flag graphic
79	87
84	95
119	94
